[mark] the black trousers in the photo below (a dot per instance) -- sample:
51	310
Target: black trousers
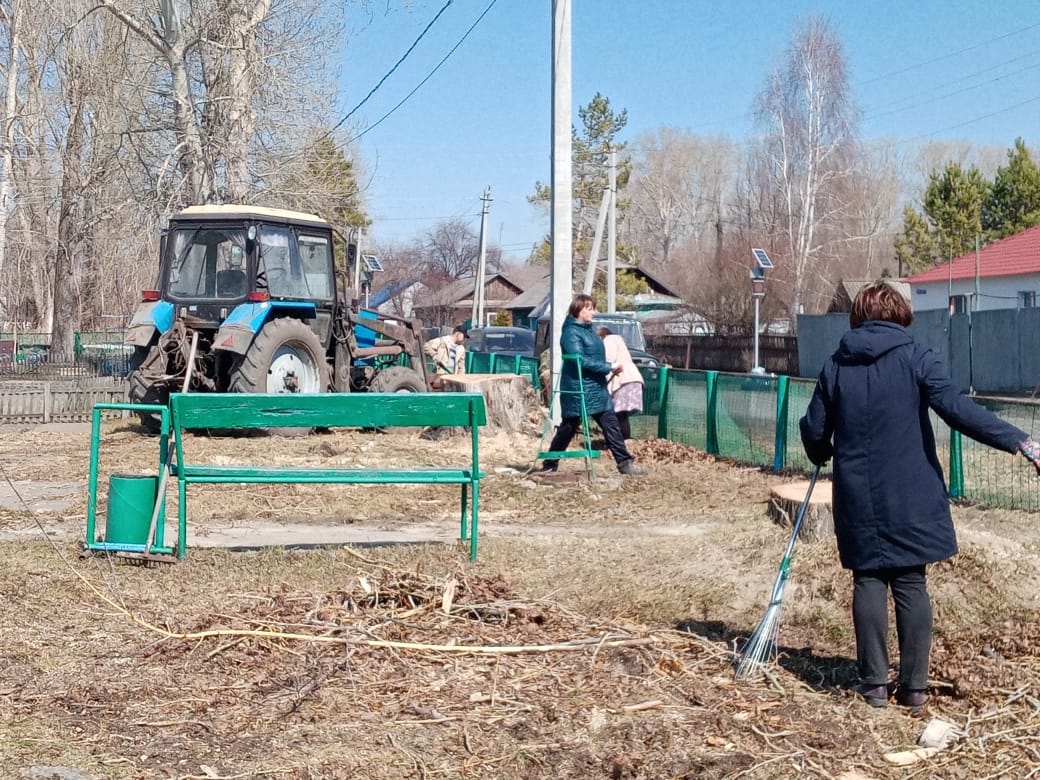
625	424
608	423
913	609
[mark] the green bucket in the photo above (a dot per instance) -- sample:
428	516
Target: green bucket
131	501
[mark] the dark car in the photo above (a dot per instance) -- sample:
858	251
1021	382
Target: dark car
501	340
625	325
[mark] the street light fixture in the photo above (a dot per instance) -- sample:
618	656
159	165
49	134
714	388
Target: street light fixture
758	291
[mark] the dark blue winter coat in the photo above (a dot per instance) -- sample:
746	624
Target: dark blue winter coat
870	413
578	338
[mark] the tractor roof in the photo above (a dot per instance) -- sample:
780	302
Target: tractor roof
237	211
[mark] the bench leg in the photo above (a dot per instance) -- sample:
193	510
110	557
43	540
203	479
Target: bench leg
462	527
473	526
182	519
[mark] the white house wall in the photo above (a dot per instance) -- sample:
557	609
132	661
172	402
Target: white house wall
998	292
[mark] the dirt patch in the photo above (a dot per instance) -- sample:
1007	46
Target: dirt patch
593	638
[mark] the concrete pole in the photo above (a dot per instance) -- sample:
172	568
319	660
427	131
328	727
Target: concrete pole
357	262
612	235
597	242
476	319
560	210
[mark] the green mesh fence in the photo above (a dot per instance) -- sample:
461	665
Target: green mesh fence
799	393
528	366
997	478
754	419
478	362
745	418
684	408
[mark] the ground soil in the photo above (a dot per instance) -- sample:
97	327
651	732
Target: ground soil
341	632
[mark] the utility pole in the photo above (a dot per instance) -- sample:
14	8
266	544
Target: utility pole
355	238
476	319
597	242
560	209
612	234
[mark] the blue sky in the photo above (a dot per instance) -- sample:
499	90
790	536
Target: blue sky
919	70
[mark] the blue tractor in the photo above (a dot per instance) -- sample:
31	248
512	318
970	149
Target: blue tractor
250	300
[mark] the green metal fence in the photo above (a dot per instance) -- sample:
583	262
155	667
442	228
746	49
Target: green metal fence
754	419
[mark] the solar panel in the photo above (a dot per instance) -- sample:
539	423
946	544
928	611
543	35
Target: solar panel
372	263
762	258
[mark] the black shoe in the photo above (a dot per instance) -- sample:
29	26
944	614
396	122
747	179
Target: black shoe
630	469
550	466
874	695
916	700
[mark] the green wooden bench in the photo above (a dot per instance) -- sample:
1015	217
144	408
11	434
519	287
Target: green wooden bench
239	411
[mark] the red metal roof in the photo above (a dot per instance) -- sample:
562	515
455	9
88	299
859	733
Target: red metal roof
1012	256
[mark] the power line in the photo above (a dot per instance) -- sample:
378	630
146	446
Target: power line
916	101
949	55
418	86
397	64
976	119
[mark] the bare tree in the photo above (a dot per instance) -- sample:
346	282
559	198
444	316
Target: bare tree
677	190
809	120
451	250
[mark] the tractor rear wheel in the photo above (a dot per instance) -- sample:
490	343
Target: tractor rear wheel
285	357
142	391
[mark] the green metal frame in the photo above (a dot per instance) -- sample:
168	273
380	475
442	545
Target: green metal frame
241	411
586	451
92	543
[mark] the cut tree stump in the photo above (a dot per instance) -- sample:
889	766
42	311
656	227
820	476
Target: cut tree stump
510	399
785	500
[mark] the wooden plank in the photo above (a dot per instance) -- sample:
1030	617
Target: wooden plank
325	410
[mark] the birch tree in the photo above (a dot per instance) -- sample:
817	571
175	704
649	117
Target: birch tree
809	120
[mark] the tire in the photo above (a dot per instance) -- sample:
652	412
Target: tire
285	357
397	379
141	391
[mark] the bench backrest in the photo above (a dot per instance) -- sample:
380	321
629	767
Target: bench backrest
326	410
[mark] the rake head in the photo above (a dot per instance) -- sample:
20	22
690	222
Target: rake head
760	648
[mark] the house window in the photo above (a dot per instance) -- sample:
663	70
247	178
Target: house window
959	304
1026	299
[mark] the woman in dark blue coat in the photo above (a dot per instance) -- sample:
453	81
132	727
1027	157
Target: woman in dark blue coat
579	338
869	412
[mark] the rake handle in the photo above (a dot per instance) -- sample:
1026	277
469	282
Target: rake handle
785	562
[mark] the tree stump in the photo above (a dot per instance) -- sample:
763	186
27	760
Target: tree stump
510	399
785	501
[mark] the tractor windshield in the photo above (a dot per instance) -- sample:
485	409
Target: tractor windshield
207	263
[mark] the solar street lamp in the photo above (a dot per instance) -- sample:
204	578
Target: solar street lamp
758	291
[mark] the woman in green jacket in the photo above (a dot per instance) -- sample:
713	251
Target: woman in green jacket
579	338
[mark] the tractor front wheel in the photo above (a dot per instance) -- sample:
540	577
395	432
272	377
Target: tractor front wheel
397	379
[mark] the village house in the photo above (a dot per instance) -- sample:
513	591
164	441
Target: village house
1002	275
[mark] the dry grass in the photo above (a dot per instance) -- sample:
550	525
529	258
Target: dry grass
592	639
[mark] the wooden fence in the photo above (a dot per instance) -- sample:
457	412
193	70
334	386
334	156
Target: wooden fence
776	354
57	400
